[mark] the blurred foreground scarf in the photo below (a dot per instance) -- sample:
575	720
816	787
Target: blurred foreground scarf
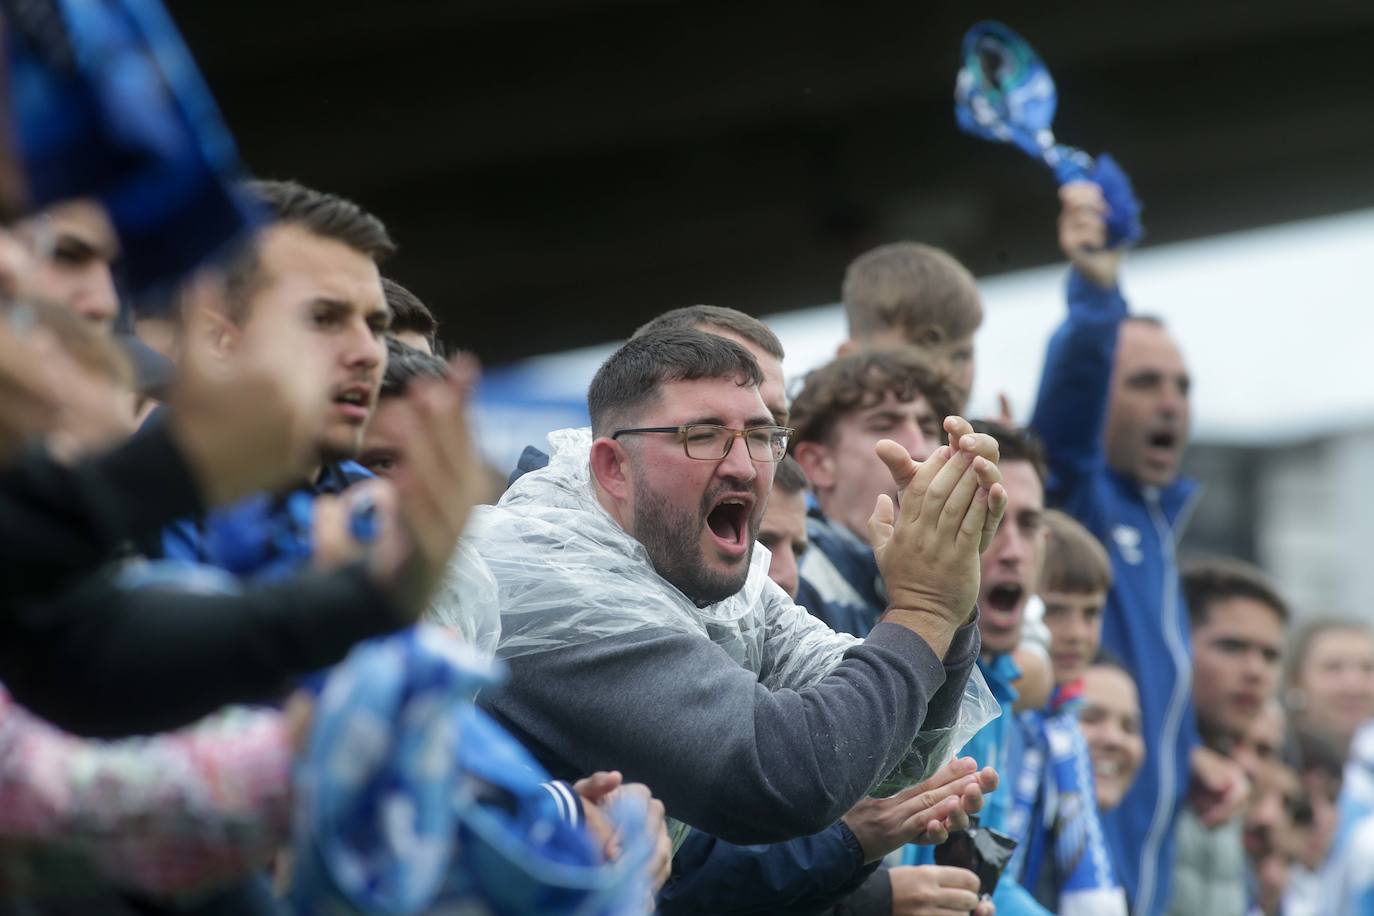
105	102
409	798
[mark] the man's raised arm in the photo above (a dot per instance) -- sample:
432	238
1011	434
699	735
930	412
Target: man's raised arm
1071	406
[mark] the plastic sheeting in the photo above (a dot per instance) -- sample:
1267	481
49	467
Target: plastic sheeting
548	567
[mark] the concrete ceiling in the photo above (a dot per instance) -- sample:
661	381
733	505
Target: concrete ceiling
558	171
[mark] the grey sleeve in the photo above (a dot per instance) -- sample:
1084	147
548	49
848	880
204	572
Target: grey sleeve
959	661
724	753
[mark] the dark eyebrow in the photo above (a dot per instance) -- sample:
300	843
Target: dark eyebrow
703	421
760	420
332	306
75	243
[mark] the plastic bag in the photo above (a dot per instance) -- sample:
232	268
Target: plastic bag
935	747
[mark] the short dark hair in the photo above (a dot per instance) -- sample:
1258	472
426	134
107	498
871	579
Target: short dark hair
409	314
917	289
630	378
326	215
700	317
861	380
1076	563
404	364
1015	444
788	476
1207	580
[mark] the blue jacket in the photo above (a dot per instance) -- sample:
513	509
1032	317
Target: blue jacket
1146	619
997	745
262	536
840	583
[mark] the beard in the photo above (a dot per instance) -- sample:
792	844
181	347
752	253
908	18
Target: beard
671	535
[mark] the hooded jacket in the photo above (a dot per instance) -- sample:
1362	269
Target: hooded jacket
1145	622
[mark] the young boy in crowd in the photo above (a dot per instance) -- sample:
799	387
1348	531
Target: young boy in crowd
909	294
842	411
1063	858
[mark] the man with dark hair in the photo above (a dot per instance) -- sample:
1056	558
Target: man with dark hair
640	628
909	294
746	330
412	323
1238	622
783	530
383	448
80	246
308	280
842	411
1113	411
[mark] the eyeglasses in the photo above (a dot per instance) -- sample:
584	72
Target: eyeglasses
708	442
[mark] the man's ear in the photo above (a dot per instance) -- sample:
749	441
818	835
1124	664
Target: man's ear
610	468
817	463
203	302
848	346
217	332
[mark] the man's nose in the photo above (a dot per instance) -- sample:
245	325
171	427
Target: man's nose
97	299
365	348
785	562
910	437
737	462
1011	550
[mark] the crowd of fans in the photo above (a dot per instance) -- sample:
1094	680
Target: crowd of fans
275	641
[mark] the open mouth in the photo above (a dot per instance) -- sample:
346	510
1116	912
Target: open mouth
1163	439
1106	769
1004	596
354	402
728	523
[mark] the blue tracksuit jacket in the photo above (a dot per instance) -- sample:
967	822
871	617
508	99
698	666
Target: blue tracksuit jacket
1145	623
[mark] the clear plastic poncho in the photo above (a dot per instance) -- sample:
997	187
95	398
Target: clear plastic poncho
548	567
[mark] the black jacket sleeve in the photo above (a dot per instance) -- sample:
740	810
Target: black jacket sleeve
873	897
58	522
106	661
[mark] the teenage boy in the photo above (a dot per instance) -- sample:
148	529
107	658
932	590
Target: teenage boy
1063	856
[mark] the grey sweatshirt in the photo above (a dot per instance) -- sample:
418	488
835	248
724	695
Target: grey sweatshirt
724	753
